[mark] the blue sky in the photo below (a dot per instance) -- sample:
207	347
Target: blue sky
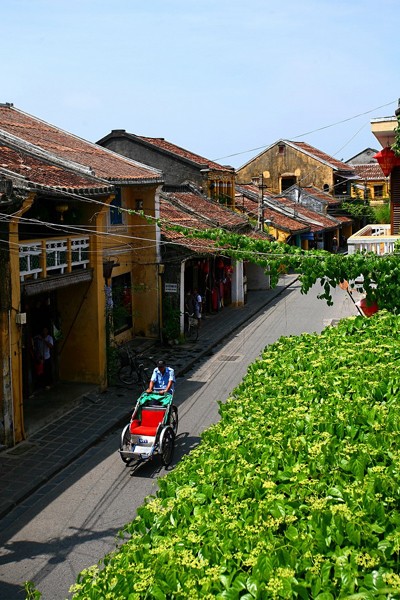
222	78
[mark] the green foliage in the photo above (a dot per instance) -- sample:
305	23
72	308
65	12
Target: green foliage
31	592
396	145
113	362
382	213
359	209
293	494
171	320
381	273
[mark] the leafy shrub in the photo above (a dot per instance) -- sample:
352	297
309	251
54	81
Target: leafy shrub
293	494
382	213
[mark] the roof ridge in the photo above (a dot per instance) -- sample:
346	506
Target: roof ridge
157	173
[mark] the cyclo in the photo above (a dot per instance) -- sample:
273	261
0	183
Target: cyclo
151	430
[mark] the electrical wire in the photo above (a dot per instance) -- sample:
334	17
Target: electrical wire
105	234
308	132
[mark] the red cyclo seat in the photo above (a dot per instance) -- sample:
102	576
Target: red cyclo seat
149	422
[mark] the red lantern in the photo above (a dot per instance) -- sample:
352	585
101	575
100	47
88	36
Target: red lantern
387	160
367	309
206	267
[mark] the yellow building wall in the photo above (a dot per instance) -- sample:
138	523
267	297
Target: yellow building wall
82	350
359	192
274	165
221	187
133	247
281	236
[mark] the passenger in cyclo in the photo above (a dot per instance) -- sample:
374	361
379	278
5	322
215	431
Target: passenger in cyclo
162	380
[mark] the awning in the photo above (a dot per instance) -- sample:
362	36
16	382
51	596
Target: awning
48	284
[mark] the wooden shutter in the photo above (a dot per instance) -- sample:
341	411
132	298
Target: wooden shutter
395	201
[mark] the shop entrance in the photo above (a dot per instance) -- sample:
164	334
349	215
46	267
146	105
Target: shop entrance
41	318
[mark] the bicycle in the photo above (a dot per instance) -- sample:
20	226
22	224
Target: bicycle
135	368
191	328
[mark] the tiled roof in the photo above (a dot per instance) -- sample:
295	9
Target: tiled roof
369	172
174	213
343	219
316	221
169	147
316	193
252	190
175	216
216	214
319	155
39	172
103	162
247	199
284	222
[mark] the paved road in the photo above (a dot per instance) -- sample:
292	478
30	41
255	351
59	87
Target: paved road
74	519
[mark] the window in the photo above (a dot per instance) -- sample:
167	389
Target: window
116	215
281	149
378	191
287	182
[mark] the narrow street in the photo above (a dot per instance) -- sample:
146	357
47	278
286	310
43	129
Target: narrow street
73	520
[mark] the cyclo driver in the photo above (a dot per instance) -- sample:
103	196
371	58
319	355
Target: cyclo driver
162	380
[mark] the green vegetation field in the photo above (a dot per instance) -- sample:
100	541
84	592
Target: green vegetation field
295	493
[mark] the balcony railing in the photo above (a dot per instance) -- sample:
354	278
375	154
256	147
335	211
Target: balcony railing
42	258
372	238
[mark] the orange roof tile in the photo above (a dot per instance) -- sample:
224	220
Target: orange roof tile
175	216
215	213
313	191
169	147
316	221
38	171
369	172
103	162
319	155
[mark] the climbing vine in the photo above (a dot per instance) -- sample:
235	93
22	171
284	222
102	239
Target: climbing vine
380	274
396	145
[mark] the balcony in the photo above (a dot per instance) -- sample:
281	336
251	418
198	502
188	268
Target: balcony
372	238
52	256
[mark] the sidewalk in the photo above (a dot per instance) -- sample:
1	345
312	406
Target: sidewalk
59	437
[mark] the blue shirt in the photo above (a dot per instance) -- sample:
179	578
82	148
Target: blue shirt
161	380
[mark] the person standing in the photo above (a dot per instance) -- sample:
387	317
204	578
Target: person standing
44	345
197	301
189	303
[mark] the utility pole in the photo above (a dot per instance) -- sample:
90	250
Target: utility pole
260	224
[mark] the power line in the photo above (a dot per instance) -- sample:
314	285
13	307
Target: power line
308	132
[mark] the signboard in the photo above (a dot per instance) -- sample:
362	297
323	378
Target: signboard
171	287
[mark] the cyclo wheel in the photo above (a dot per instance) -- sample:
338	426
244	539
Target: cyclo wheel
145	368
191	331
167	443
174	420
127	374
125	443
